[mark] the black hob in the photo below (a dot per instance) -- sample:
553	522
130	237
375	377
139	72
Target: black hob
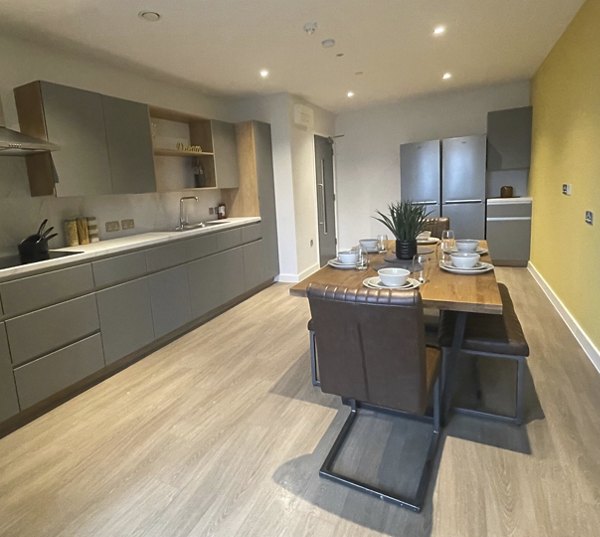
15	260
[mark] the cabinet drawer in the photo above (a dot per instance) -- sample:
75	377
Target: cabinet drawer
251	233
34	292
45	330
51	373
119	269
508	210
202	246
9	405
167	256
229	239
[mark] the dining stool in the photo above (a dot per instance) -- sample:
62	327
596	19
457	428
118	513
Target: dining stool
314	368
492	336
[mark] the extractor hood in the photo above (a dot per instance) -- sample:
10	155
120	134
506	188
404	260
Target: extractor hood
15	144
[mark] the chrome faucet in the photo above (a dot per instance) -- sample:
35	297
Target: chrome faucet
183	221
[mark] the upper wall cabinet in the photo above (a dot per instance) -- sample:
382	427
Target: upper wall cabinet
105	143
509	139
226	160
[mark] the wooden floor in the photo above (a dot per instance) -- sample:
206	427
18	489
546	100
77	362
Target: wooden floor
221	433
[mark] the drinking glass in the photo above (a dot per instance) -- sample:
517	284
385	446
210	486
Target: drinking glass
362	257
447	244
420	268
382	243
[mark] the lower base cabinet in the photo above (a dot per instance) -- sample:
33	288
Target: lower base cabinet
9	404
232	273
52	373
125	313
206	291
170	298
254	273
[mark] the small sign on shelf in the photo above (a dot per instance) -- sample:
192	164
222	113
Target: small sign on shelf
189	148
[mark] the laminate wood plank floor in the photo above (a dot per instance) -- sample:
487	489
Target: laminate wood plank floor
220	433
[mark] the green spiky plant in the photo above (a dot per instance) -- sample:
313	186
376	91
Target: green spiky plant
405	220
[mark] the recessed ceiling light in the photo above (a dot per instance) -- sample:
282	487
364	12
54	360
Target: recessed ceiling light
439	30
150	16
328	43
350	94
339	54
310	28
447	76
358	73
264	73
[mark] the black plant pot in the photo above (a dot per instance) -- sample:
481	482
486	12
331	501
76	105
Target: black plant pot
406	249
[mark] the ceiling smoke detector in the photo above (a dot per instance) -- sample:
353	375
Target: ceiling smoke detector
150	16
328	43
310	28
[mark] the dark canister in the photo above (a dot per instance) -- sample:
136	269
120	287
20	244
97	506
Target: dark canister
506	191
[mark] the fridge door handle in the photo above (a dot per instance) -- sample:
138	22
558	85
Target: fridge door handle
425	202
451	202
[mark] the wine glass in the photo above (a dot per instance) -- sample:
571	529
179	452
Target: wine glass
382	243
447	243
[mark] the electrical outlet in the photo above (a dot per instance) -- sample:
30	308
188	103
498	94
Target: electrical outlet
211	210
128	223
112	226
589	218
566	189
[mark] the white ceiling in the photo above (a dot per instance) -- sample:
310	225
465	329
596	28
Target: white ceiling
220	45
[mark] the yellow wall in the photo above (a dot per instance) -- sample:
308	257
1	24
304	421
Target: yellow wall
566	149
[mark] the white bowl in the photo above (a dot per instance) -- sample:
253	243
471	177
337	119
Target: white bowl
424	235
368	244
393	277
467	245
464	259
348	256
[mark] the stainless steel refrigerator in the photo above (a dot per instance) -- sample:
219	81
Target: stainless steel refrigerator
420	174
463	185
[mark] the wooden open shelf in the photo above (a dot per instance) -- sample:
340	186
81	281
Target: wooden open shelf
164	152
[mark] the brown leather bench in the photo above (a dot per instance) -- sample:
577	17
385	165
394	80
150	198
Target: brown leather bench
494	336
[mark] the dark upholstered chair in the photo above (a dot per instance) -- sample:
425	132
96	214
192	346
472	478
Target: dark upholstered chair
494	336
372	353
437	225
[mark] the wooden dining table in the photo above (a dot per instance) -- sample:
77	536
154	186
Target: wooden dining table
462	293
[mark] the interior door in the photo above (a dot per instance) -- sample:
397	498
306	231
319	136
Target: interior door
325	199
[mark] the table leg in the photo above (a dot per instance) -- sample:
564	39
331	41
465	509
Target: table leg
450	363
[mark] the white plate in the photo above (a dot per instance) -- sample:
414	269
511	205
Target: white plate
431	240
374	282
480	251
335	263
485	267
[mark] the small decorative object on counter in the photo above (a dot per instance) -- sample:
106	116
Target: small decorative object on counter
82	231
92	226
71	237
506	191
35	247
221	211
188	148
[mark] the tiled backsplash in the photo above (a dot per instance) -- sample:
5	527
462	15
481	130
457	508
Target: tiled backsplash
20	214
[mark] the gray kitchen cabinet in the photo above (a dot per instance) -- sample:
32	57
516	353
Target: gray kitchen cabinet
266	197
206	287
225	149
420	174
202	246
254	273
508	230
229	238
33	292
56	371
9	404
74	120
50	328
232	273
169	255
129	143
170	298
119	269
509	139
125	313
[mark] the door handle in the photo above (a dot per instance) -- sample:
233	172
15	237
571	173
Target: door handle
322	185
450	202
426	202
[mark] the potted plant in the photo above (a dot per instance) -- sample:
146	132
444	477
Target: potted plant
405	220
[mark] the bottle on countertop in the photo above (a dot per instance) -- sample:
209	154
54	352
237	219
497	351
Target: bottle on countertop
221	211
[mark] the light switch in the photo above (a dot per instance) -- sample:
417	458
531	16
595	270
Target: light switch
566	189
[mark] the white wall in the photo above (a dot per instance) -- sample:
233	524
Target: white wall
22	62
368	156
295	178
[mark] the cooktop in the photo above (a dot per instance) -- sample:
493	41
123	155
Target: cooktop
15	260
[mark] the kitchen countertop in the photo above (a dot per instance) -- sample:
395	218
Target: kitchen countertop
89	252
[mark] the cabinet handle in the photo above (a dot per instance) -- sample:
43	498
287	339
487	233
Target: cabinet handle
507	218
450	202
426	202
